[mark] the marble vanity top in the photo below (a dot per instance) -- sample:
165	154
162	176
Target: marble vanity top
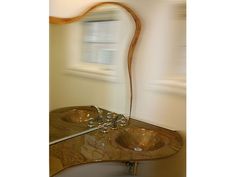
100	147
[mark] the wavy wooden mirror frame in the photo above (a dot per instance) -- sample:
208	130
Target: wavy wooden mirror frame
56	20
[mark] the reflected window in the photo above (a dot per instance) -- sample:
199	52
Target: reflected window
100	39
96	45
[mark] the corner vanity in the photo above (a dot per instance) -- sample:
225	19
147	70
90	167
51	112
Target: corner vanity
138	141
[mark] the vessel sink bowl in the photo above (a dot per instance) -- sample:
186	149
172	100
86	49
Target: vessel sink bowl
78	115
139	139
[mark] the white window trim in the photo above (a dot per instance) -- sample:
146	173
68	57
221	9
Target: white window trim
97	73
173	85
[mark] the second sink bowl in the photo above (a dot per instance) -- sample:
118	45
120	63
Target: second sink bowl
78	115
139	139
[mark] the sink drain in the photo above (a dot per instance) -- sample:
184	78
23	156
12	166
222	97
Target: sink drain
138	149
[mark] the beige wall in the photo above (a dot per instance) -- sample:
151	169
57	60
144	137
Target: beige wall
152	61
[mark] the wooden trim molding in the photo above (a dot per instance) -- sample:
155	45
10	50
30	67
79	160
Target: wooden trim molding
56	20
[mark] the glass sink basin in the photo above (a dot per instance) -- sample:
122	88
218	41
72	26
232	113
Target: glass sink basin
139	139
78	115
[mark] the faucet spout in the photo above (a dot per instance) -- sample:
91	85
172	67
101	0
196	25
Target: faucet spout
99	118
99	111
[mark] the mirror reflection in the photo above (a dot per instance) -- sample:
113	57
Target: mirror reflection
88	60
88	65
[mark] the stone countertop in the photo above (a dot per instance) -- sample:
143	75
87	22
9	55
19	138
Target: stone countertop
99	147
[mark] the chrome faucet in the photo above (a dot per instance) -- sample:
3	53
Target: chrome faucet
108	121
98	110
97	120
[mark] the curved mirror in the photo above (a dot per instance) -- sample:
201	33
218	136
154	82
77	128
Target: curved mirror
89	66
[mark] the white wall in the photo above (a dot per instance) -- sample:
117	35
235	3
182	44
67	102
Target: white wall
152	61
